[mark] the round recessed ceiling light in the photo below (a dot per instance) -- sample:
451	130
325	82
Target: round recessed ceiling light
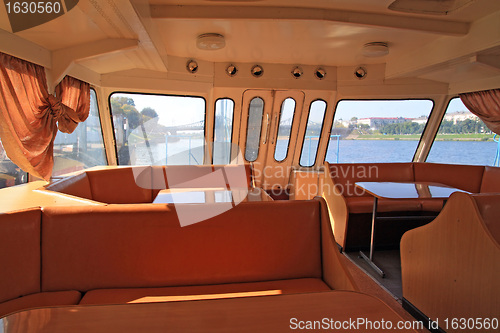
192	66
297	72
231	70
210	42
257	71
375	49
320	73
360	72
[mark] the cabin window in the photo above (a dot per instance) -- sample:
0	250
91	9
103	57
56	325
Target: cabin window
284	128
10	173
463	138
82	149
254	127
314	126
375	131
158	129
223	131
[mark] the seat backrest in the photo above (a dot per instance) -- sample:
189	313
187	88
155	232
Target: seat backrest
464	177
491	180
489	208
193	176
77	185
121	185
119	246
346	175
19	253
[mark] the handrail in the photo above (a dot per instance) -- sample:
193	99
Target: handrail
497	154
190	154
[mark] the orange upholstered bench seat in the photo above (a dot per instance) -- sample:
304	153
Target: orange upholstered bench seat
141	184
129	253
42	299
346	202
218	291
20	286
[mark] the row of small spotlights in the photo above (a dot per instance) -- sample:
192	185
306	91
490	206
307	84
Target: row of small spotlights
258	71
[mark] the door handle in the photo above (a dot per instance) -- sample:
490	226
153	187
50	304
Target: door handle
267	129
275	130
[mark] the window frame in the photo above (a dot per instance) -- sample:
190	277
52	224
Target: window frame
291	127
232	127
154	94
260	131
100	122
320	134
386	99
441	118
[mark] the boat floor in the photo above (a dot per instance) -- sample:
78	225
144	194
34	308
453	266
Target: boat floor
390	262
387	289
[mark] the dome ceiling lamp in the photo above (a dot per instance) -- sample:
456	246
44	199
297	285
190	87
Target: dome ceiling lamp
375	49
210	41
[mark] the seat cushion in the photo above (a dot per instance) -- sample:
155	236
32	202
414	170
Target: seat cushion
168	294
360	205
19	253
56	298
491	180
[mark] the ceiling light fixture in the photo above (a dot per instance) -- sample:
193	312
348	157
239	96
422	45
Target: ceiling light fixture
210	41
375	49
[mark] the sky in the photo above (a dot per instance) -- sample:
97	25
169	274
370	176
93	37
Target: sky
172	110
191	109
347	109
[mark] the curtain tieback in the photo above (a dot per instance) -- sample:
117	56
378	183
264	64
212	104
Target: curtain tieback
56	107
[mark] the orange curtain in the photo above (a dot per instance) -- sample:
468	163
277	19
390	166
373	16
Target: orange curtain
30	116
485	105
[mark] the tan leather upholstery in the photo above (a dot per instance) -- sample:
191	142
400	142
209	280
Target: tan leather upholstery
78	185
141	184
489	208
144	246
346	175
166	294
340	192
19	254
121	185
491	180
189	176
360	205
57	298
464	177
121	251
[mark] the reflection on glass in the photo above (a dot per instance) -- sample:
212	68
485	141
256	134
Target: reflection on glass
313	132
223	131
284	129
377	130
254	125
10	173
463	138
158	129
82	149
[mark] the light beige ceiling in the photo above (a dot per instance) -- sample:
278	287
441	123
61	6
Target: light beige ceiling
313	32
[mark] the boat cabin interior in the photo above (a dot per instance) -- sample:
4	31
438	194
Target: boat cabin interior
250	165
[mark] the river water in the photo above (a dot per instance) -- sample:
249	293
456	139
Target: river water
350	151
